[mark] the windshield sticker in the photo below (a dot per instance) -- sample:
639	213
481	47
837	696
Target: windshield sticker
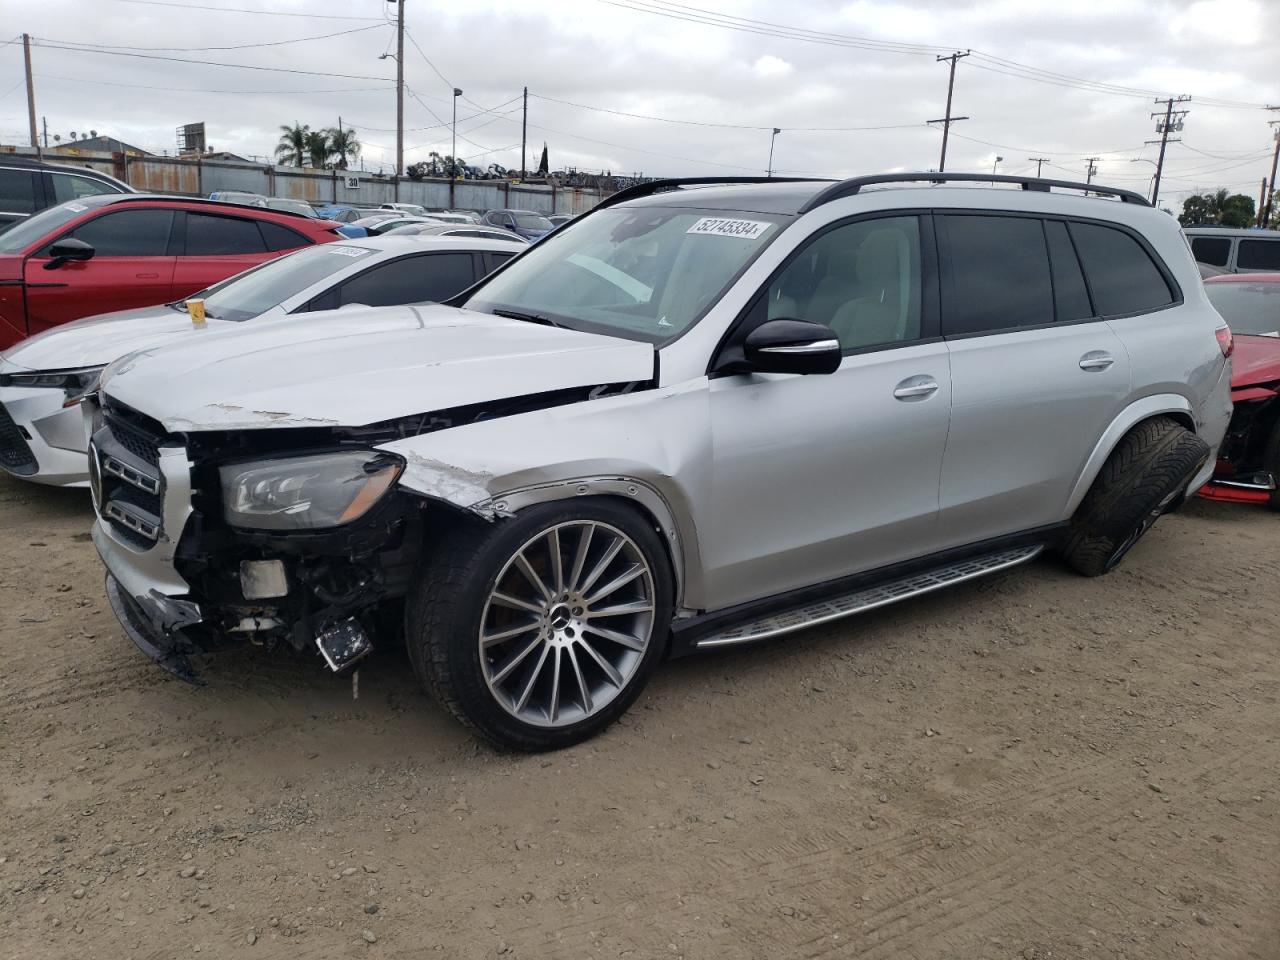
719	227
77	207
348	251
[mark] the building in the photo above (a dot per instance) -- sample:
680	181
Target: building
96	145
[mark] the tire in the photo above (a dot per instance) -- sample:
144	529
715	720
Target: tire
547	677
1145	476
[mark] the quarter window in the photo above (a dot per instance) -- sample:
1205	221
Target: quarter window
128	233
861	279
1258	255
209	236
997	274
419	279
281	238
67	186
1211	250
1123	277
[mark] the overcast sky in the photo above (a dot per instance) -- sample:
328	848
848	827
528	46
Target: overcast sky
1020	88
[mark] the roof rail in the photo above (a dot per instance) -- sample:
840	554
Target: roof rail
661	186
847	188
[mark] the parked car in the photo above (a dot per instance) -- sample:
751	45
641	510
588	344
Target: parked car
293	206
699	415
380	225
559	219
1236	250
345	213
412	209
455	230
452	218
239	196
1248	467
28	186
123	250
43	379
526	223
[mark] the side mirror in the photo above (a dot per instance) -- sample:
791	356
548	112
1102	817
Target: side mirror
792	346
66	249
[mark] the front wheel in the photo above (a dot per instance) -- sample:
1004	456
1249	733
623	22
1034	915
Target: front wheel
540	630
1144	477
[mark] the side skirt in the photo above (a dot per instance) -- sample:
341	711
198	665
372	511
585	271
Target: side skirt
810	606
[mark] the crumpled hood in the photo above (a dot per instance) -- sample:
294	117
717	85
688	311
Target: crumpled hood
1255	360
98	340
356	367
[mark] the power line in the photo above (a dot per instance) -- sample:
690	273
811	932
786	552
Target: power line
239	46
260	13
210	63
239	93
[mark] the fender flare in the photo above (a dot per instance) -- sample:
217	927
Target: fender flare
645	495
1126	420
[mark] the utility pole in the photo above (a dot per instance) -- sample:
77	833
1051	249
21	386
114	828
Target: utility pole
399	172
31	90
45	122
453	159
947	120
524	135
1172	120
1275	156
1039	162
1093	168
1262	203
769	170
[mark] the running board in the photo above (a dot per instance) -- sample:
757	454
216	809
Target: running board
868	598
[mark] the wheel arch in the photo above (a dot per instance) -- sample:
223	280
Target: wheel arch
1171	405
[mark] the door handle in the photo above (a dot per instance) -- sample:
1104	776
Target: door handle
1096	360
147	276
916	388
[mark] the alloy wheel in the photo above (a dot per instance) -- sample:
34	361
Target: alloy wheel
567	623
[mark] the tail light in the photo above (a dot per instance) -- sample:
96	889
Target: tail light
1226	343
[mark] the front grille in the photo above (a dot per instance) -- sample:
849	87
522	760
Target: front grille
15	454
129	486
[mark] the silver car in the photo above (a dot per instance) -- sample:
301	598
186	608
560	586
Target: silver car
699	415
44	378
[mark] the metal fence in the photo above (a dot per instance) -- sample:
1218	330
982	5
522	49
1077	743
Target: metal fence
199	177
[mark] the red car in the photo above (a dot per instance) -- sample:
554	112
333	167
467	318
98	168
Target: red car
120	251
1249	461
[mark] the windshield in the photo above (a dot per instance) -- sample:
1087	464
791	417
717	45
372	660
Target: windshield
1248	308
645	273
531	221
249	294
21	235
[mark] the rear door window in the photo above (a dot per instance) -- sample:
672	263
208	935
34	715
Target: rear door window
209	236
995	274
1122	276
1258	255
127	233
1214	251
427	277
17	191
69	186
1070	295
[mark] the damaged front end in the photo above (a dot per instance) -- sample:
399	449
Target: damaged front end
1248	468
298	538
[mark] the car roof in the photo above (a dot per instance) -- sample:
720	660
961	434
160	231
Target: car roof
1233	232
783	196
409	243
1245	278
103	199
535	213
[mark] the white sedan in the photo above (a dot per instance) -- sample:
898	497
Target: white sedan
43	378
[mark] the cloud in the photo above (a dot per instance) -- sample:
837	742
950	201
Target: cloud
770	66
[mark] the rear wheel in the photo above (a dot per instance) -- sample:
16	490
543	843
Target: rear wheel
541	630
1143	478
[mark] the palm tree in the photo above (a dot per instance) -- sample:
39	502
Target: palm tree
293	143
344	146
317	145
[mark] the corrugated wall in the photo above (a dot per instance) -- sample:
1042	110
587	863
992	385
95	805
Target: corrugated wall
202	177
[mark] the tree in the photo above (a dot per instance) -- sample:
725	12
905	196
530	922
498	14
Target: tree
317	144
292	147
343	146
1221	208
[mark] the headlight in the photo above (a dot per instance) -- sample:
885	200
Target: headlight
307	493
75	384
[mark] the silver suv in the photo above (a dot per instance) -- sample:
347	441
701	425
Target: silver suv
702	414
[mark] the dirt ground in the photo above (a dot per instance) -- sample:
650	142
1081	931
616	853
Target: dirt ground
1039	766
